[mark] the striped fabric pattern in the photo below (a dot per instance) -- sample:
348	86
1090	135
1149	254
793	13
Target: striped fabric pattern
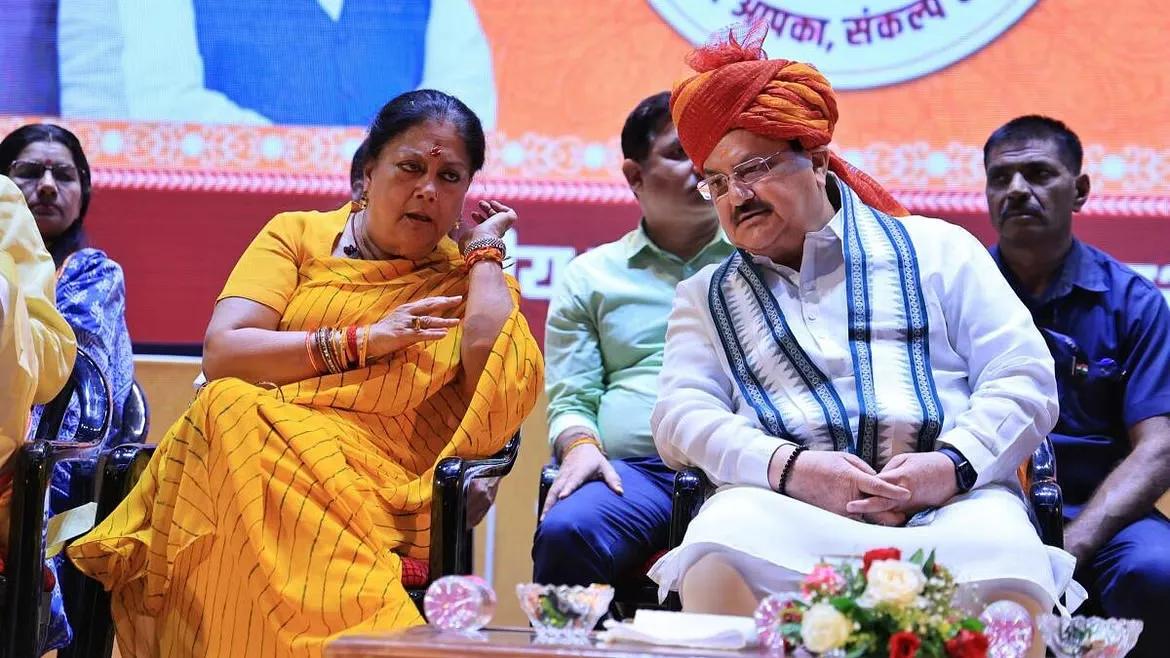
271	520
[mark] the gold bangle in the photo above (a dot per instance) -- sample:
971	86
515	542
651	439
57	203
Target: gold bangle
364	342
579	442
338	338
325	344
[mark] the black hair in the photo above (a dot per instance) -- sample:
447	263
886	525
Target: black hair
415	107
643	124
357	168
73	238
1035	126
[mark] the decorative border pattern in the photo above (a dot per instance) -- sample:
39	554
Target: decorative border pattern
819	384
917	331
745	377
860	319
1131	181
935	203
1131	170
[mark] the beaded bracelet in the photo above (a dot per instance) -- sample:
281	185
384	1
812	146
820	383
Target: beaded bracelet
783	484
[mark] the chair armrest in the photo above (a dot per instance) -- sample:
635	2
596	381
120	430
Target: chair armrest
1042	466
1048	506
1045	495
135	416
690	492
548	475
19	628
118	469
23	615
32	473
450	535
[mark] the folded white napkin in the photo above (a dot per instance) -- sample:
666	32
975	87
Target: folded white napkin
682	629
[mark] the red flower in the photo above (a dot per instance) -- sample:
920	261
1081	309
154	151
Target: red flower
904	644
879	554
967	644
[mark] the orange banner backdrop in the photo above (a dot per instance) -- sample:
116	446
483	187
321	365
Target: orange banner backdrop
176	203
572	70
566	74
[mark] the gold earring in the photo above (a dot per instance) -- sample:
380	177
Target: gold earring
458	222
362	202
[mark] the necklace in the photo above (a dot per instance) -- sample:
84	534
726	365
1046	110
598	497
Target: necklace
351	250
361	246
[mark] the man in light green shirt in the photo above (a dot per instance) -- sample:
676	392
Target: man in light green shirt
609	509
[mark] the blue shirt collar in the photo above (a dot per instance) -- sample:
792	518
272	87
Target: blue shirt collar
1080	269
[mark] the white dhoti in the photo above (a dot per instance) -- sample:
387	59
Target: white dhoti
984	538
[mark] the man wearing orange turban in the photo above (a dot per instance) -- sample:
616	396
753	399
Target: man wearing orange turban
773	361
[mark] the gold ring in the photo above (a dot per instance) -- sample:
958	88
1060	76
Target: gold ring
416	323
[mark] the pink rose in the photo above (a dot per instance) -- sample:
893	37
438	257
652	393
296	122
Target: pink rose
824	579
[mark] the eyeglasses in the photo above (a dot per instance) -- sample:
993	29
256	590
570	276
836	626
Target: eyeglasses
752	171
28	170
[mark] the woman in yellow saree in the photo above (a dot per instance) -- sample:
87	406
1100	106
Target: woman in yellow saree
349	351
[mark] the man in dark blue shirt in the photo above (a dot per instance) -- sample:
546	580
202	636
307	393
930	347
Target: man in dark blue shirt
1109	332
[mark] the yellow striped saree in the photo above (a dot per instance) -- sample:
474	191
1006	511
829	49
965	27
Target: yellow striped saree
271	520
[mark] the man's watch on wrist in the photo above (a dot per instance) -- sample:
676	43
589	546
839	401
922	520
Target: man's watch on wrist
965	475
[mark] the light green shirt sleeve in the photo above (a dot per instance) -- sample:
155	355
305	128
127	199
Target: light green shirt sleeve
574	373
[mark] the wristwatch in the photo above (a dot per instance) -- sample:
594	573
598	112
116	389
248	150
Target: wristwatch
965	475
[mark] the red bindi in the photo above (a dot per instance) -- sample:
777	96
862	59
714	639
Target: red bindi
436	150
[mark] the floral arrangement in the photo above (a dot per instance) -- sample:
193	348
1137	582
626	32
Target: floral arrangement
887	607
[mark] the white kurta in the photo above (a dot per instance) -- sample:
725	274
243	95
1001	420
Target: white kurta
994	378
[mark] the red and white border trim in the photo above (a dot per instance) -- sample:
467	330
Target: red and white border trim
942	203
927	202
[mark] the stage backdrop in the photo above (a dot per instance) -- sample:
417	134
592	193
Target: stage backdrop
203	118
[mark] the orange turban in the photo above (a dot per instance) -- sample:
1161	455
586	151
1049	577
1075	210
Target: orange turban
735	86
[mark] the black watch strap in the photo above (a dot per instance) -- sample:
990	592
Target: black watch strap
965	475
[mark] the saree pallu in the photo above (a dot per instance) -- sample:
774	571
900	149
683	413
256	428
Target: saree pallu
271	520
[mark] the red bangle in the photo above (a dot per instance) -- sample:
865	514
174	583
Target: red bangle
351	343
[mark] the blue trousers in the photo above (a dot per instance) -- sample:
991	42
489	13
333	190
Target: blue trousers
1130	577
596	536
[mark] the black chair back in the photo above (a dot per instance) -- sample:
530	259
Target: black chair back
23	611
93	403
135	416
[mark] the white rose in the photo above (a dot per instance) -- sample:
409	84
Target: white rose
823	628
893	581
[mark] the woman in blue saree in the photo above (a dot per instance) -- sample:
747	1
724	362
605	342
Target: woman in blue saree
49	166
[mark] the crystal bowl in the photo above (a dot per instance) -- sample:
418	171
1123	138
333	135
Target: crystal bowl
563	612
1089	637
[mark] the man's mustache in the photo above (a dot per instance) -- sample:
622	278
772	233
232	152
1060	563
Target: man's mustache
1012	210
753	207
